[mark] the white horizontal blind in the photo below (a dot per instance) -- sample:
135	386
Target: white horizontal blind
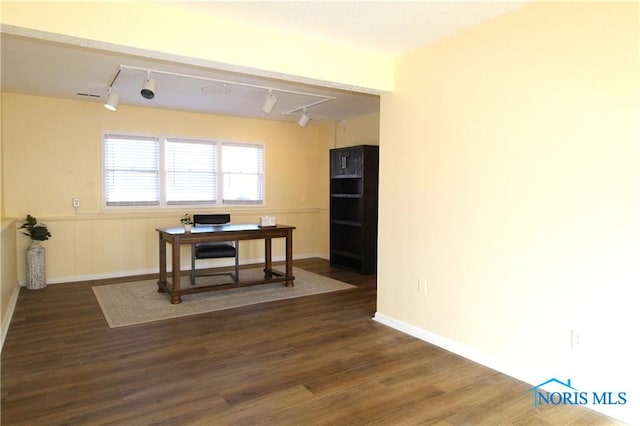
131	170
158	171
191	168
242	173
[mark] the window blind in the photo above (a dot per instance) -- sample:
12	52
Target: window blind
242	173
191	172
160	171
131	170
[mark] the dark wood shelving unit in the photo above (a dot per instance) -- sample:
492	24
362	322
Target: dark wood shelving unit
353	215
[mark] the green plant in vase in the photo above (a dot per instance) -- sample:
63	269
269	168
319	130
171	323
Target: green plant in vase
36	255
36	231
186	222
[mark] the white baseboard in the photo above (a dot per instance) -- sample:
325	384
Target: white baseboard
530	377
6	320
203	264
94	277
457	348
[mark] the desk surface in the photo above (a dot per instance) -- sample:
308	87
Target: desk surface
203	229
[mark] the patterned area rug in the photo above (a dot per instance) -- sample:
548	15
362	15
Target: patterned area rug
139	302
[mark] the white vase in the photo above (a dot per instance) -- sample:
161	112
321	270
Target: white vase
36	266
187	227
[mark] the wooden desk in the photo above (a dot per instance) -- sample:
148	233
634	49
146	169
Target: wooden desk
218	233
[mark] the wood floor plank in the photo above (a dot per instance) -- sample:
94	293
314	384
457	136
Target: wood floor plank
308	361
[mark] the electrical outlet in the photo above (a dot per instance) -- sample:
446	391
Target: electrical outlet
76	202
575	338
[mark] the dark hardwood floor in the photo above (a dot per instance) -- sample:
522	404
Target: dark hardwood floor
312	360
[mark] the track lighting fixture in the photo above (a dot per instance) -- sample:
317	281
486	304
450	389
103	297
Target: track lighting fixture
112	101
304	119
148	87
269	102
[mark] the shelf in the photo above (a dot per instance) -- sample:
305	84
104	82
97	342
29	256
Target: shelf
352	176
343	259
345	222
346	195
346	209
346	186
347	254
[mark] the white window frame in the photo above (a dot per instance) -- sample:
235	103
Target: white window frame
163	174
121	204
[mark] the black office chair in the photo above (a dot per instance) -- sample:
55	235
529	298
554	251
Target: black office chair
213	250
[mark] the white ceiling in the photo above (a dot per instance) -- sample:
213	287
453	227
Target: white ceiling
57	69
388	27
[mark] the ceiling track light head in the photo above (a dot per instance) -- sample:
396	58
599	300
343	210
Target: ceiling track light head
148	88
112	101
269	102
304	119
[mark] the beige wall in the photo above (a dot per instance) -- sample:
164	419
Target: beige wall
8	265
510	183
52	153
363	130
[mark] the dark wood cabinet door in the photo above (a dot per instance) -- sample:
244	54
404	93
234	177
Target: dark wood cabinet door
347	162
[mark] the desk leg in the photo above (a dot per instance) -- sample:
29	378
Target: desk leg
175	285
268	266
162	260
289	258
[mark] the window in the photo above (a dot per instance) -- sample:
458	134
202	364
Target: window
155	171
242	174
191	172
